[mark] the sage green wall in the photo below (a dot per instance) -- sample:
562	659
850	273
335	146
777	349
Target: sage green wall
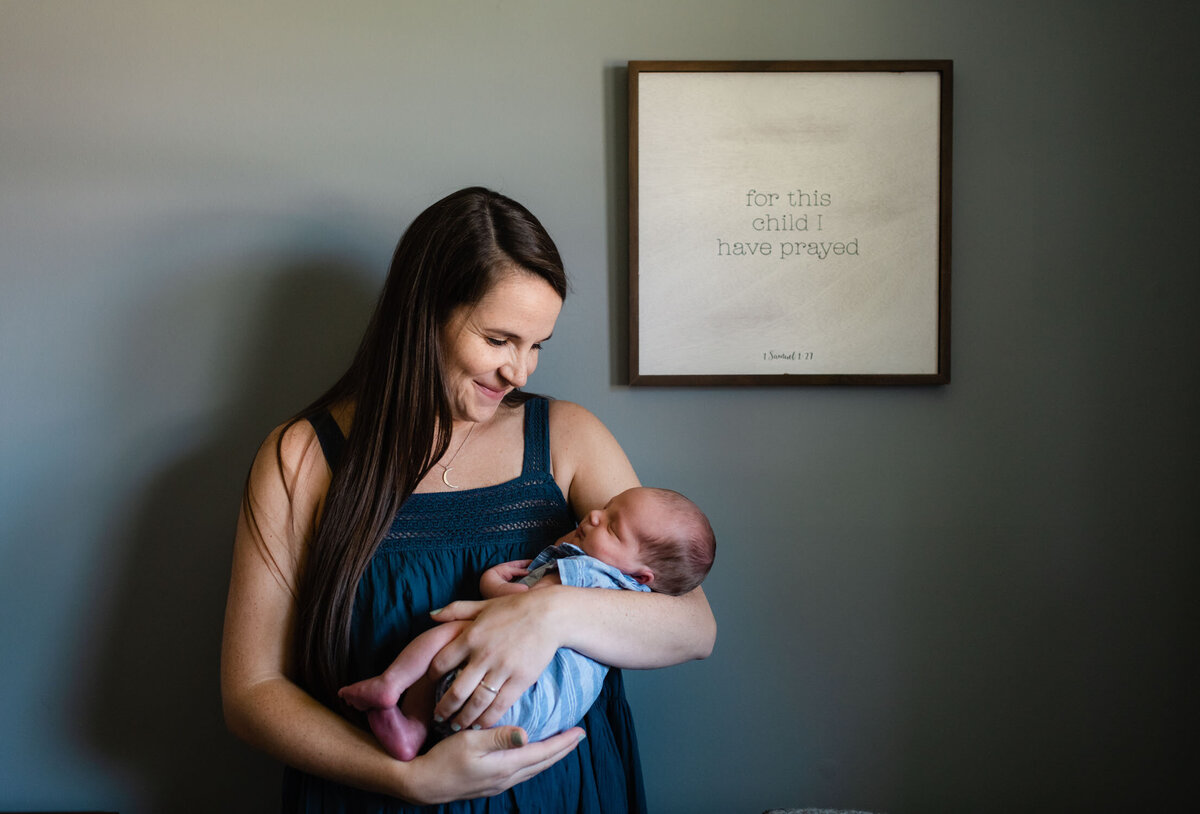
972	598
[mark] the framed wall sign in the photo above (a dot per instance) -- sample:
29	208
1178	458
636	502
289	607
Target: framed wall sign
789	222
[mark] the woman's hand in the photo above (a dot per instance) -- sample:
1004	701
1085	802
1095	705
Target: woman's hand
480	764
502	652
511	640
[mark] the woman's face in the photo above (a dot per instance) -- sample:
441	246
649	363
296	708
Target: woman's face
491	347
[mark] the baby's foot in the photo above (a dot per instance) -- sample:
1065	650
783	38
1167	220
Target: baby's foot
369	694
400	736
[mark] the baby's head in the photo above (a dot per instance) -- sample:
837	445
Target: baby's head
658	537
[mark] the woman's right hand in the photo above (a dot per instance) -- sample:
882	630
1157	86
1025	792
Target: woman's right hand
481	763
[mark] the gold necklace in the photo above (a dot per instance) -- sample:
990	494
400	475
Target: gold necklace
446	467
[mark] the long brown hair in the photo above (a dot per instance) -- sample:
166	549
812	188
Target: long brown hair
450	256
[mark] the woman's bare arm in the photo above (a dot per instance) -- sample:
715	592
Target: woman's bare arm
619	628
266	708
513	638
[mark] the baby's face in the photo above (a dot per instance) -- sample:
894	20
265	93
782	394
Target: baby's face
614	534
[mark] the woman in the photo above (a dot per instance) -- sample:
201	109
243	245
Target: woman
386	499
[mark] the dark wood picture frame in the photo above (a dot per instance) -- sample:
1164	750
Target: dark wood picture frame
839	169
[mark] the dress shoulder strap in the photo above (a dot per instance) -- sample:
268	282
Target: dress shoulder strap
537	436
330	436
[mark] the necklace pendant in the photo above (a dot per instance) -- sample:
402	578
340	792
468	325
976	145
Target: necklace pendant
446	467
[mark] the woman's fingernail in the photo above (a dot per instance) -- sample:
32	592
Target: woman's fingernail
437	610
516	738
476	726
455	727
438	719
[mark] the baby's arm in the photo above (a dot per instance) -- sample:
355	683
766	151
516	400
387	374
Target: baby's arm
498	580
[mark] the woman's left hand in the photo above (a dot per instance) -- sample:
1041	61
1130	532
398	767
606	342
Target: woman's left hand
508	644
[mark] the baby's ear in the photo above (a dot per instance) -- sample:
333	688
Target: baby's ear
644	577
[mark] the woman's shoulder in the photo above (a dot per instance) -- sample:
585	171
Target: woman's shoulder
290	460
570	421
296	439
587	460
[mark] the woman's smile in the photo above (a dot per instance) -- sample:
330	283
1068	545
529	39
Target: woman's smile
491	392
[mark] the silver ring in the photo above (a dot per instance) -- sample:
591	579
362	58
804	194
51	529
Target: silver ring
488	688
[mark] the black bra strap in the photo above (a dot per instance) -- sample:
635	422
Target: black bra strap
330	436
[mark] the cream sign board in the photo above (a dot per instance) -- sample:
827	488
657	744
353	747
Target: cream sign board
789	223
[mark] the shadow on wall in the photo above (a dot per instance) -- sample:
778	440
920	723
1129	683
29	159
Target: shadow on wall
616	170
156	707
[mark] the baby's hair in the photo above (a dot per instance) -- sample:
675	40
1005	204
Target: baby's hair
682	554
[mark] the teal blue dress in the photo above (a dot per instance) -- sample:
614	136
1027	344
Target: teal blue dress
435	551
